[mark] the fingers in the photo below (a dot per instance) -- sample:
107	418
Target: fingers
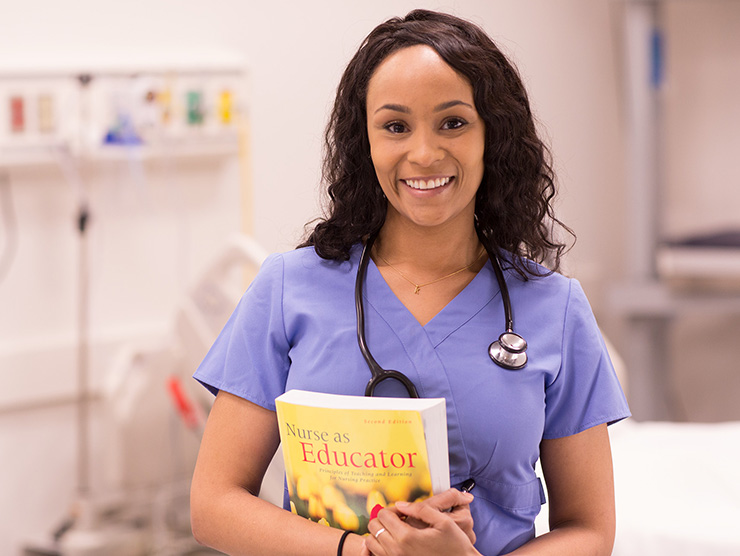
448	499
428	514
381	532
464	520
391	521
460	511
390	535
387	522
365	551
446	513
452	501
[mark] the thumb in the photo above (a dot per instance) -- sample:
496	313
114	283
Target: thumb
424	513
447	500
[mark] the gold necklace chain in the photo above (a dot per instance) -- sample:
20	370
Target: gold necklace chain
417	287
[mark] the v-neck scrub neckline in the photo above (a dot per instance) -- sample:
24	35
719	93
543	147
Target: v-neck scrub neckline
451	317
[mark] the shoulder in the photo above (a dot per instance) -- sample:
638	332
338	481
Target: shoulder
557	303
552	297
302	267
305	259
541	281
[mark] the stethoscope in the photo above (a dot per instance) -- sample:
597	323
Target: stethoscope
509	351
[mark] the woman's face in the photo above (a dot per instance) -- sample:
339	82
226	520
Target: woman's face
426	138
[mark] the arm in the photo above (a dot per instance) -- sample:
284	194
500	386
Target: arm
238	443
580	483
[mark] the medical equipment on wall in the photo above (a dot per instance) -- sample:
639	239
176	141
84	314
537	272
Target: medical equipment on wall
84	118
167	109
508	352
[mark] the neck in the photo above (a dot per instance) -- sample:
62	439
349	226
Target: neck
428	250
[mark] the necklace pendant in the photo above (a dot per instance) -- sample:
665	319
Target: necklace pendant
417	289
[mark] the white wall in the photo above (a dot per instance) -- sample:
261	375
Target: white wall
701	135
150	242
702	130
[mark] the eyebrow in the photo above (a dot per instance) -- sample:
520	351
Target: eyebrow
438	108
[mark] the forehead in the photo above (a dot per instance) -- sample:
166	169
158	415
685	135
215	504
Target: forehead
415	73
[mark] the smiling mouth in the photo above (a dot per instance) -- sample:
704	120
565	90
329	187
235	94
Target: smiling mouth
428	184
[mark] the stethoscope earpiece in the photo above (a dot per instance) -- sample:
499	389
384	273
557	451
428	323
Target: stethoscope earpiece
509	351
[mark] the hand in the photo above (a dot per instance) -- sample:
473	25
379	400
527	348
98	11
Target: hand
453	501
429	527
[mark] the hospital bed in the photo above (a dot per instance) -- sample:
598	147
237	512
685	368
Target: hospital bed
677	486
677	489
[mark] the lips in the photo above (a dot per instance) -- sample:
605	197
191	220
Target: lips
433	183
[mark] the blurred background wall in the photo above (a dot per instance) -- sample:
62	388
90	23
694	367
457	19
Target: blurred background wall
150	236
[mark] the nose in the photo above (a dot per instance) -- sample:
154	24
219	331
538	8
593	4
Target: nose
424	148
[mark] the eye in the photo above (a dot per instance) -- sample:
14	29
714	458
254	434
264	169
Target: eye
395	127
454	123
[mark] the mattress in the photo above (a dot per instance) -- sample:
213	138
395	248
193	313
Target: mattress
677	488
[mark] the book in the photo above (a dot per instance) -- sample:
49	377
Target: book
346	456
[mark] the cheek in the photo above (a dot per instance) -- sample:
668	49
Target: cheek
381	172
475	157
473	164
384	161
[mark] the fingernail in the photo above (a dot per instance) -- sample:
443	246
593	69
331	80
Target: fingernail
468	495
401	504
375	510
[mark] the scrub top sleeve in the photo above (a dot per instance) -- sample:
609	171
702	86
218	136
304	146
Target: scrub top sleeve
586	391
250	356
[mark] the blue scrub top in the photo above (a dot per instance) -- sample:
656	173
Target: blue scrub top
295	327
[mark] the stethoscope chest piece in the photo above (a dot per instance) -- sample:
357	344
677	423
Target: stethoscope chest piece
509	351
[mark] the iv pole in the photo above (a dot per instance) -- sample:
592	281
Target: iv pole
70	165
83	331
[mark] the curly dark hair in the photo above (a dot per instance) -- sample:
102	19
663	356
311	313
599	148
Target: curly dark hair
513	210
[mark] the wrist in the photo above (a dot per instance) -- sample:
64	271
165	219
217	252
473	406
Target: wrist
342	540
353	544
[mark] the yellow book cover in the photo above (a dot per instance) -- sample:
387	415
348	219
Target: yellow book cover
344	455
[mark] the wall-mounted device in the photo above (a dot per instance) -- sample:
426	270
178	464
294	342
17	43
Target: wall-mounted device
162	106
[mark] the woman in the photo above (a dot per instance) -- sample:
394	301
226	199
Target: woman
432	156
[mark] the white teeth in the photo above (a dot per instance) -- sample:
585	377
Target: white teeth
431	184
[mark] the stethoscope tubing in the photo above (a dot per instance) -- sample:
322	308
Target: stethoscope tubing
508	316
504	352
379	374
